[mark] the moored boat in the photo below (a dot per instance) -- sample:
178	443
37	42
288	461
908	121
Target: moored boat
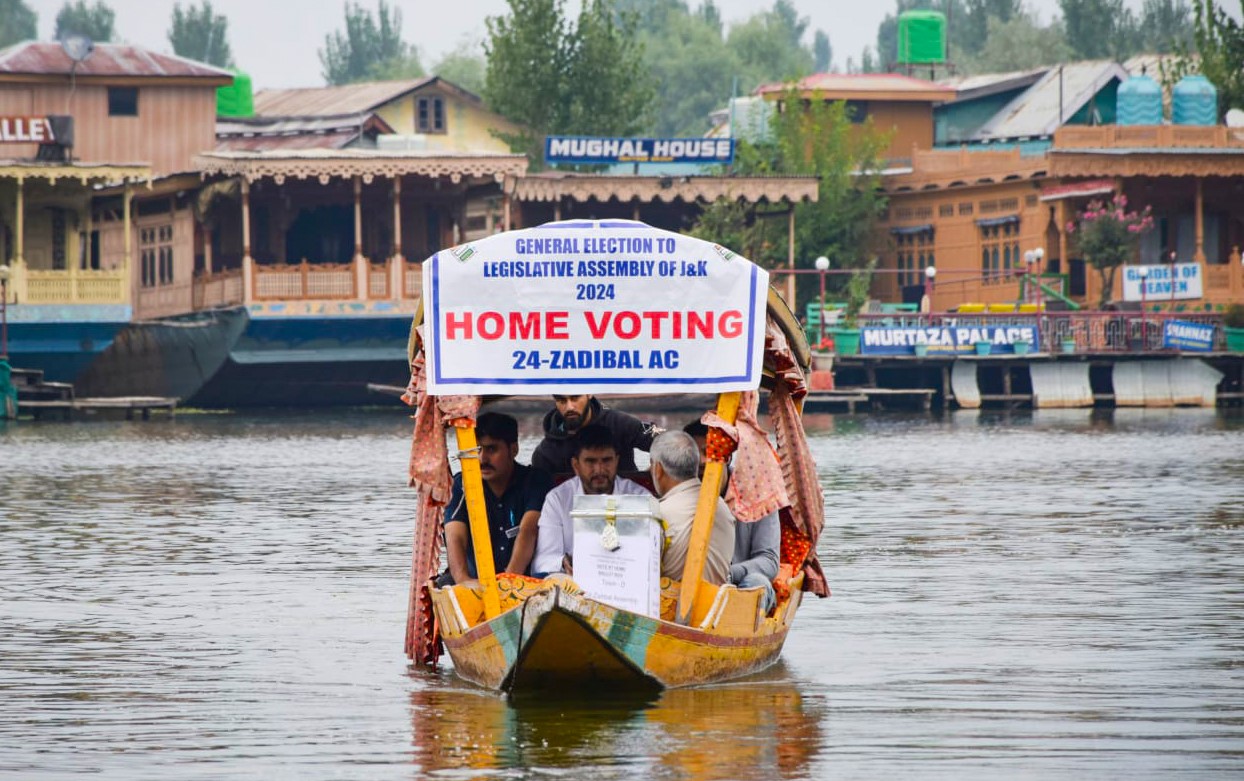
688	317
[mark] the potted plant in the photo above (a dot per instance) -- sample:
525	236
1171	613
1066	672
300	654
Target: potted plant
1069	344
1021	346
1233	327
847	336
984	347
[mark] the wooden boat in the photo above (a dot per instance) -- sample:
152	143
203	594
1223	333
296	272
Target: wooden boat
519	634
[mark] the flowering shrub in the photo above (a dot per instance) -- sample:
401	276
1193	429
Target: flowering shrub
1107	235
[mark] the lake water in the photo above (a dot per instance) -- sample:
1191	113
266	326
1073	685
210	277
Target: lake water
1035	595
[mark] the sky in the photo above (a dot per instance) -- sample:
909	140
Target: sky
277	41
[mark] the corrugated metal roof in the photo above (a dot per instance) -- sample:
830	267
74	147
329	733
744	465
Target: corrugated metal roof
1037	111
971	87
902	87
239	143
42	58
344	99
256	134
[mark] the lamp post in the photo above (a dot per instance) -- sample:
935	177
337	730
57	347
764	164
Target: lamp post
4	311
822	265
930	273
1143	272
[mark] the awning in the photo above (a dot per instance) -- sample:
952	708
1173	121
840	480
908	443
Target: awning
911	230
989	222
1078	190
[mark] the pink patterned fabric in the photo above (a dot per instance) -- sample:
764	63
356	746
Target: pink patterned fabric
756	482
429	474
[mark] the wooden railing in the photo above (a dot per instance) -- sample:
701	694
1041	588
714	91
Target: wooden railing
216	290
41	286
304	281
1136	136
412	286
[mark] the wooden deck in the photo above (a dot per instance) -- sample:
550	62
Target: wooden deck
130	405
870	398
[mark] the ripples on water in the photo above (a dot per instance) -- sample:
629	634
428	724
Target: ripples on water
1036	595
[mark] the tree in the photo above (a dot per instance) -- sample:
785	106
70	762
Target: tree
821	140
822	52
95	22
1019	44
17	23
463	67
769	45
1107	235
696	72
1165	26
1099	29
979	12
606	80
1220	42
370	48
199	33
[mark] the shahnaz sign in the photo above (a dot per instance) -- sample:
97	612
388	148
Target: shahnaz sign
592	307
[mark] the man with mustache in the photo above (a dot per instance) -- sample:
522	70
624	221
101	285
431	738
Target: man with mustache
570	415
513	494
595	464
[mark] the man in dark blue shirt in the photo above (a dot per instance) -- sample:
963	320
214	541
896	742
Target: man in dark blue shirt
513	494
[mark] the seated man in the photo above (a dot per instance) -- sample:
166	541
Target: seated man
755	562
570	414
513	494
675	472
595	464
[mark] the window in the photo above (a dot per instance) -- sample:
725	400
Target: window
965	209
999	251
155	253
915	253
857	111
430	115
123	101
946	210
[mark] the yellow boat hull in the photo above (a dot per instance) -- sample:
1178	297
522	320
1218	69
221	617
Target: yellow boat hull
557	639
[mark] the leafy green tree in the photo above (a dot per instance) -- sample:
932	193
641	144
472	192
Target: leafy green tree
696	73
464	67
1165	26
199	33
1220	42
769	45
1099	29
95	21
820	140
1018	44
822	52
977	16
554	77
370	48
17	23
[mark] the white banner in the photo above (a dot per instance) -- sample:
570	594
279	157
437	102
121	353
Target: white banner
1164	283
592	307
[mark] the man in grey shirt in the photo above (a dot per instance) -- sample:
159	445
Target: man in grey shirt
755	562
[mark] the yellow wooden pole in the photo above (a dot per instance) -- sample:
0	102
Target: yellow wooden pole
477	514
705	509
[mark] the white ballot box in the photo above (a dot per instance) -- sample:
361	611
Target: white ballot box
617	551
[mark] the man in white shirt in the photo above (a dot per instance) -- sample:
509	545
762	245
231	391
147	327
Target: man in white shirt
595	466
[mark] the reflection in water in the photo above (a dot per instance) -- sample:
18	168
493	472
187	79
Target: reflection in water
764	727
1048	594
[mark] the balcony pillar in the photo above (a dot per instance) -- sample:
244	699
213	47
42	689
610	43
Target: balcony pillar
1199	255
127	226
20	248
790	258
246	223
358	217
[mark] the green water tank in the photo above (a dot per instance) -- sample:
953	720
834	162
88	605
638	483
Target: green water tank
236	99
921	38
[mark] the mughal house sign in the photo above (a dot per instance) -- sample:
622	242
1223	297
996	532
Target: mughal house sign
606	151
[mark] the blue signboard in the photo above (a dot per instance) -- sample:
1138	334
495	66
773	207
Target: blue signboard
1182	335
581	149
946	339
